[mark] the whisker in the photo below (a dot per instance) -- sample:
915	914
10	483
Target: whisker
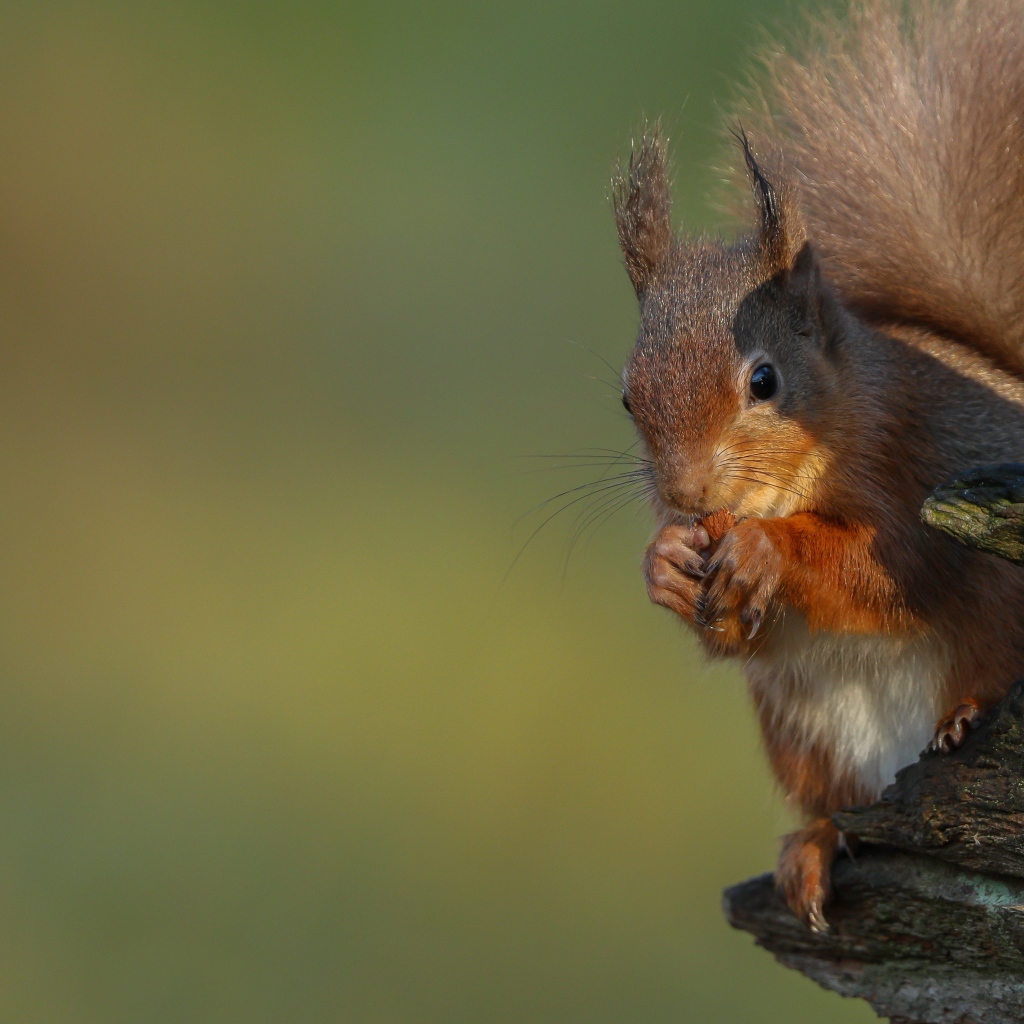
598	484
600	358
762	465
750	478
570	460
581	453
616	388
769	481
583	520
733	452
595	519
606	517
753	445
564	469
595	501
607	485
768	471
594	491
755	465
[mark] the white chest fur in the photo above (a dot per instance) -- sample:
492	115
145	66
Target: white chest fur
871	701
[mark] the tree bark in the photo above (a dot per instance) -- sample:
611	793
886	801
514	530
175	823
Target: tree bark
927	922
982	508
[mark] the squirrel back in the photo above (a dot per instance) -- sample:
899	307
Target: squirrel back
903	129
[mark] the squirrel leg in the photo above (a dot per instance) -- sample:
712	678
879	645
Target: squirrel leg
951	730
812	781
804	872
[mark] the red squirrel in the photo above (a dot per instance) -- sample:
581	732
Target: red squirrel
799	391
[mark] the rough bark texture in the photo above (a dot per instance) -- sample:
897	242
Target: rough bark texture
966	807
927	923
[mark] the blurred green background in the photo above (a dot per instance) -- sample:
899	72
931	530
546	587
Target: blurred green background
287	291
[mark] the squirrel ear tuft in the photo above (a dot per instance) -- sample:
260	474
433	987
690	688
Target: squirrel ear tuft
642	201
781	229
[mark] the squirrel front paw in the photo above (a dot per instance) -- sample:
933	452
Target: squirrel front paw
742	578
674	569
804	872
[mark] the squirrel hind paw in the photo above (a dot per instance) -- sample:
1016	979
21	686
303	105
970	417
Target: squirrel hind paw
804	872
952	730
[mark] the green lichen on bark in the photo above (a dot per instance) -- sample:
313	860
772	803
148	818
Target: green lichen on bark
982	508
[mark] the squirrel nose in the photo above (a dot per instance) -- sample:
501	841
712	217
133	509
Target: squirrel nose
685	495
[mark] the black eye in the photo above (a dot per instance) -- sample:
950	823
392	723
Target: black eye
764	382
625	404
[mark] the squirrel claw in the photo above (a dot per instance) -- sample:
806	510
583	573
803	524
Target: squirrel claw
951	731
848	845
816	918
757	617
708	615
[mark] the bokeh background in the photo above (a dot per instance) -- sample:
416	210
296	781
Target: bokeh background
292	296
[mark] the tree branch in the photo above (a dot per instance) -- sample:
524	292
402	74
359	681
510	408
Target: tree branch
982	508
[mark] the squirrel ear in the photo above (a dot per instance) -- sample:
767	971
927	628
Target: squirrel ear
642	202
818	305
804	277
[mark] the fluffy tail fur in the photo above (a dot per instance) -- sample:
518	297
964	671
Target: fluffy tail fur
904	129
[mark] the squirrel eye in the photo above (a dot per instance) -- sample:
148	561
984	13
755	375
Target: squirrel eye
764	382
625	404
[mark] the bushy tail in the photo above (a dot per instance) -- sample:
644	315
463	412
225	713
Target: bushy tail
904	128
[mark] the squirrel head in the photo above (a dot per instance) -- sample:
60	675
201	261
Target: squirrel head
734	368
